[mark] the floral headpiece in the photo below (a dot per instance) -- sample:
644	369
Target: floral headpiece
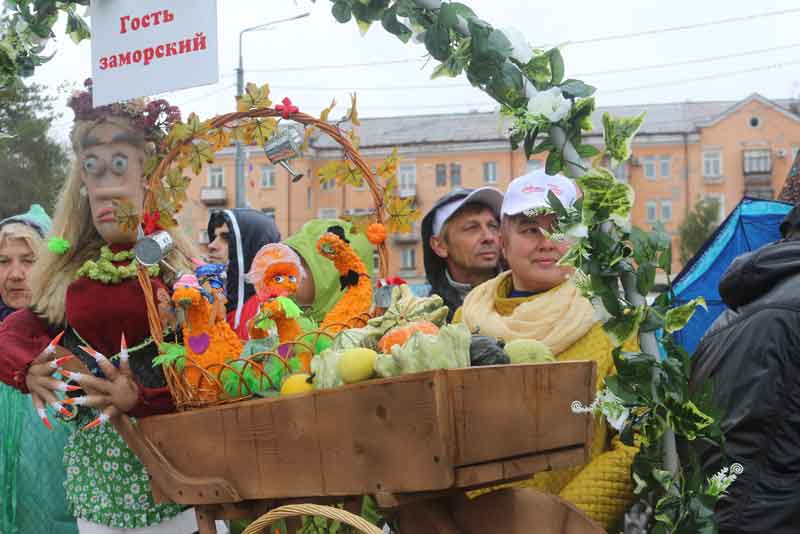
153	117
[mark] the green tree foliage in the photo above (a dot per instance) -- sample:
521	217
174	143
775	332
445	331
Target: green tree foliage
32	165
698	227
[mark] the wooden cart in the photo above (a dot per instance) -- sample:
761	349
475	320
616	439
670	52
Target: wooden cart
415	443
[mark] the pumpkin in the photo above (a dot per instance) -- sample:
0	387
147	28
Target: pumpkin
401	334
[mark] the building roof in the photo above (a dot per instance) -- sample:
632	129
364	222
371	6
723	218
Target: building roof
671	118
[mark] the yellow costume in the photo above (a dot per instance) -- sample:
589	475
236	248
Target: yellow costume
563	320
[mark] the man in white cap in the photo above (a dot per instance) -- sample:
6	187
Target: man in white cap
461	242
537	300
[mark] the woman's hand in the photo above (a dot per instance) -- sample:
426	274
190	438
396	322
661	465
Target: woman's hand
41	384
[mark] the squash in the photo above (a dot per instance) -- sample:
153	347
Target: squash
399	335
485	350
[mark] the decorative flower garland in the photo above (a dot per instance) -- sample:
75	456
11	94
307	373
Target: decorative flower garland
104	270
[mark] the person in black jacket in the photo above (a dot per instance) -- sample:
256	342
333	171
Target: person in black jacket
235	236
461	243
751	354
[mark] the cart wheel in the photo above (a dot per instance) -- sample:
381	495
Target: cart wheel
295	510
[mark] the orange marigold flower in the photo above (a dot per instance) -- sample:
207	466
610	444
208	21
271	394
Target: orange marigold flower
376	233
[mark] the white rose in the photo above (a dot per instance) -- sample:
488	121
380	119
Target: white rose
530	90
549	104
520	49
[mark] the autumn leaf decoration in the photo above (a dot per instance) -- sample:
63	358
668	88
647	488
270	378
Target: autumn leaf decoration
125	214
401	214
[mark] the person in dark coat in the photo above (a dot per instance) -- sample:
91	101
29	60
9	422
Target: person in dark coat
751	355
461	243
235	236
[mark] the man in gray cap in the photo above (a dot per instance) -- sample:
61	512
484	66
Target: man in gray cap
461	242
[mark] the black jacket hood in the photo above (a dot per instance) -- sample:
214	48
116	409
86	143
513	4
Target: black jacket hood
250	230
754	274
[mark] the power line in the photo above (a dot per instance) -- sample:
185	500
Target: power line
687	61
341	66
702	78
684	27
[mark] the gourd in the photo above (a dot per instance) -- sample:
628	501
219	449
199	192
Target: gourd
485	350
399	335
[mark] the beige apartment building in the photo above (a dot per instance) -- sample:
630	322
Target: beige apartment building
683	153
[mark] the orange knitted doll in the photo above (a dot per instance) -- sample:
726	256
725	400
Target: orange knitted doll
357	286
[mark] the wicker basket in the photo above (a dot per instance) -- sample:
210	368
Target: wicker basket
208	391
295	510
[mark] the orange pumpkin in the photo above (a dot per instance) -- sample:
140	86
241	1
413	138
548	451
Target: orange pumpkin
399	335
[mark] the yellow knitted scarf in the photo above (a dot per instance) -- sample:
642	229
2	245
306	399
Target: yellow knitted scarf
558	317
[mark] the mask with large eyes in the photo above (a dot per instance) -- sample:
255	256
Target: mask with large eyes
91	165
119	164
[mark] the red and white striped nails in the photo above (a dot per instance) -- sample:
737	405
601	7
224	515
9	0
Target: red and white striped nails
60	409
51	347
93	353
123	350
72	375
101	420
58	362
75	401
63	386
43	416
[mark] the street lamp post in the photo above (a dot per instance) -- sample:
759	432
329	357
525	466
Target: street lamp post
241	201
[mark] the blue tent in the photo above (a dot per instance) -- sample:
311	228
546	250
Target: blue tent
752	224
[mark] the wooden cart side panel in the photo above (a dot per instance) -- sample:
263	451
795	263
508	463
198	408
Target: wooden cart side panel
516	410
387	435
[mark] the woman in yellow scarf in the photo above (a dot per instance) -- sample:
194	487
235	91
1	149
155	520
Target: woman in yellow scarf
538	299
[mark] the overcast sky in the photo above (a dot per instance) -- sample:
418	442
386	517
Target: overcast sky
405	88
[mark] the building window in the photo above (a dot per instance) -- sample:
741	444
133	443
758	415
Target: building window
328	213
719	198
754	122
757	161
203	237
309	198
712	164
408	258
649	167
441	175
267	177
216	176
269	212
533	165
665	164
328	186
490	172
407	180
652	211
455	175
666	210
376	261
621	173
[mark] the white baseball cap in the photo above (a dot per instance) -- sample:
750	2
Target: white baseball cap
529	192
490	196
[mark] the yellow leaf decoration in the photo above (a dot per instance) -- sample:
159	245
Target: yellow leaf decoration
323	116
359	223
343	172
176	184
166	207
388	169
198	154
352	113
219	138
181	132
125	214
254	97
151	164
256	131
401	214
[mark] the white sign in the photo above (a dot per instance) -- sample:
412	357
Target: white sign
145	47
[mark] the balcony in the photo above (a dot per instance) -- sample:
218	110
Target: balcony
411	237
405	192
214	196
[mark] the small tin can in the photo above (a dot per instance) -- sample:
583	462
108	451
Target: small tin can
151	249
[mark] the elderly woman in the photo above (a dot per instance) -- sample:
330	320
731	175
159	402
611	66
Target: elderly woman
538	299
30	455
